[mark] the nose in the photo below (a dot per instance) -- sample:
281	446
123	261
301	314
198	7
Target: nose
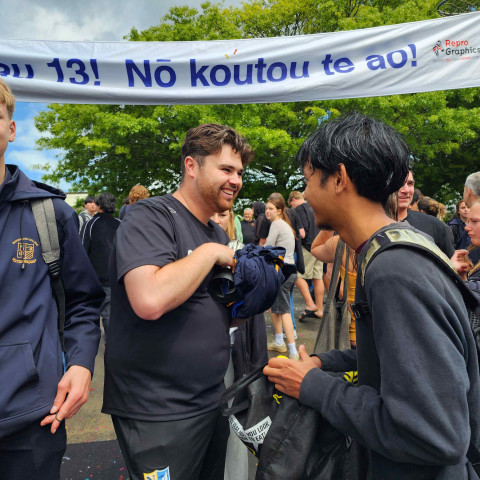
235	179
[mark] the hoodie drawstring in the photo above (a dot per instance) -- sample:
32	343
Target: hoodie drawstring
24	203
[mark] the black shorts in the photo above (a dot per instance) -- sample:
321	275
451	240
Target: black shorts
191	449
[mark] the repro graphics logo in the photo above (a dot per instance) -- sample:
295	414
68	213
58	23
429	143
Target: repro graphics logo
452	50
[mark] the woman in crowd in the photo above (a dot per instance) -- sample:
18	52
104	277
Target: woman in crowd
138	192
466	269
457	224
281	235
432	207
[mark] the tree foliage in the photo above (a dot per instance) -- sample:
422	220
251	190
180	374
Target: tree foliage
112	147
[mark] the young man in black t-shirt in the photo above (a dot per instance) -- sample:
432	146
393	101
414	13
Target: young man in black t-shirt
168	347
439	231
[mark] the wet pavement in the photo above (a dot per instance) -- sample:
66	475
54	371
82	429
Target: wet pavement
93	451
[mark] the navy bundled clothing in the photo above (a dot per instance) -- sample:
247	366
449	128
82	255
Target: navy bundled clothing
30	351
417	406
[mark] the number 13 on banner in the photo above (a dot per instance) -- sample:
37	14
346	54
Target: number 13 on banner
78	68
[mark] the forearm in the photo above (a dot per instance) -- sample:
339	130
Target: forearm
324	247
154	291
339	360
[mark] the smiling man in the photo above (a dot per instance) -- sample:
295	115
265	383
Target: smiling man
168	347
440	232
417	404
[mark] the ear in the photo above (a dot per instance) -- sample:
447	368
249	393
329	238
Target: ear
191	167
341	178
13	131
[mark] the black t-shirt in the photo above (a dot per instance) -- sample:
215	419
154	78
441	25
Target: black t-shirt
171	368
248	231
262	227
294	220
439	231
97	238
305	212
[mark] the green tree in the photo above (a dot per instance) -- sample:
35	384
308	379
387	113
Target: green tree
107	147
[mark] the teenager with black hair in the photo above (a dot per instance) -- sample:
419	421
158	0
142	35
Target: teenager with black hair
417	405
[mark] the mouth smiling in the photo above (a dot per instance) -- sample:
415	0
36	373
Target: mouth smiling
229	192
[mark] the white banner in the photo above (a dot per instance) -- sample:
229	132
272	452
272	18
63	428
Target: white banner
412	57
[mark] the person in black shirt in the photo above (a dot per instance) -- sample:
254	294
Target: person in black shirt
439	231
97	238
262	224
248	226
313	267
168	346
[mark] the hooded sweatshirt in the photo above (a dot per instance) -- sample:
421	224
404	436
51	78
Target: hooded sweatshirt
460	236
30	351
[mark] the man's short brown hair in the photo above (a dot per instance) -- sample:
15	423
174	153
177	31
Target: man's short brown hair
7	98
208	139
295	194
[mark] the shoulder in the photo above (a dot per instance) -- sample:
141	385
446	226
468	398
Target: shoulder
63	211
403	267
419	218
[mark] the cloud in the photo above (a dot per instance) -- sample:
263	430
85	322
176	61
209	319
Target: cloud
88	20
28	159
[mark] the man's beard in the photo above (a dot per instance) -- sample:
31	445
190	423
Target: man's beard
211	196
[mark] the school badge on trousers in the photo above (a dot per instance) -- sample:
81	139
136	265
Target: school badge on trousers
158	475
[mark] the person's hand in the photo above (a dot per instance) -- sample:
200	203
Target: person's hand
287	375
72	393
224	255
460	262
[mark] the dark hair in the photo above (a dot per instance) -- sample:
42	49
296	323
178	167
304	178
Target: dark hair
417	195
457	207
89	199
107	202
208	139
375	155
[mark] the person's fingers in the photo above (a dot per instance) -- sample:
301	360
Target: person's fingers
62	391
302	351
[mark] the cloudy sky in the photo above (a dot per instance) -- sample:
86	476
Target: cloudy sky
70	20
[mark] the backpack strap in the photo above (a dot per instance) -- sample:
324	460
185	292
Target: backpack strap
46	223
406	236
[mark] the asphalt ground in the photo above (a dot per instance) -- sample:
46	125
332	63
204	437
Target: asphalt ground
93	451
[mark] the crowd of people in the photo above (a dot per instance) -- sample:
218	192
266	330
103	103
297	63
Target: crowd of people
171	348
